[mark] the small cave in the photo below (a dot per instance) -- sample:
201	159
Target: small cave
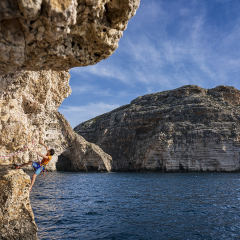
63	164
91	168
182	168
80	48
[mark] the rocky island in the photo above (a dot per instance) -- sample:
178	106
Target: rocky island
185	129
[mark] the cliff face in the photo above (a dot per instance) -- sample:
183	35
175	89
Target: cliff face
76	154
47	35
186	129
60	34
16	216
29	113
29	102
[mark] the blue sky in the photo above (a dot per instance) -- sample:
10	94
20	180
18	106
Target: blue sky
168	44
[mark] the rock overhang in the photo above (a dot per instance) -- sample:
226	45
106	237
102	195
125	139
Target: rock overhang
60	34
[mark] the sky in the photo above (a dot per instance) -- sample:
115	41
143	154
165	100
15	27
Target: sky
167	44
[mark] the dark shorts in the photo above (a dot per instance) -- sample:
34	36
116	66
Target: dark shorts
37	167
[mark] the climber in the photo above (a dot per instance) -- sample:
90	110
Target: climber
38	166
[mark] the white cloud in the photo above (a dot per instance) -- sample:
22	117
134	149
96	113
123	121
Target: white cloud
76	115
103	70
172	46
93	89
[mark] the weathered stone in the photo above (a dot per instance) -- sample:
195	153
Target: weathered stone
27	100
28	111
28	107
76	154
186	129
60	34
47	35
16	215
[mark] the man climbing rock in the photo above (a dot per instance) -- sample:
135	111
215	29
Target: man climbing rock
41	166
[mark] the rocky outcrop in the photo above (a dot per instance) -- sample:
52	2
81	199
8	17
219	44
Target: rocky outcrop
27	102
186	129
16	215
47	35
29	113
60	34
76	154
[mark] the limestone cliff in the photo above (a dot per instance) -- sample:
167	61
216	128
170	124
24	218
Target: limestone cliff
60	34
186	129
28	113
76	153
29	103
16	216
47	35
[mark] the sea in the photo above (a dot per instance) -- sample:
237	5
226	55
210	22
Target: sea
117	206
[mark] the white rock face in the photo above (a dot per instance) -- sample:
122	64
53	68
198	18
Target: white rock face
29	102
197	152
185	129
60	34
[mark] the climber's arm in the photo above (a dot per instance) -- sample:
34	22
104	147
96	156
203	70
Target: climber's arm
43	156
44	145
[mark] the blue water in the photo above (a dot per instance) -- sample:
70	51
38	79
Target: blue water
137	206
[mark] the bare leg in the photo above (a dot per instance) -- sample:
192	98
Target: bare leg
33	181
25	164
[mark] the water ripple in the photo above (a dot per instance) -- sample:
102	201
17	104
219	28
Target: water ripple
116	206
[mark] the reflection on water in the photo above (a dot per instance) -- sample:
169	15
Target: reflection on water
137	206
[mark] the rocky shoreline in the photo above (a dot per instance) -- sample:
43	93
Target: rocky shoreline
189	129
39	42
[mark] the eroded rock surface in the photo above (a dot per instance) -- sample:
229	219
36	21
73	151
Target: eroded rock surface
29	102
16	215
186	129
38	35
76	153
28	113
60	34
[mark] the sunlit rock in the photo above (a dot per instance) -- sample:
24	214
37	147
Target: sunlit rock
186	129
29	102
60	34
16	215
